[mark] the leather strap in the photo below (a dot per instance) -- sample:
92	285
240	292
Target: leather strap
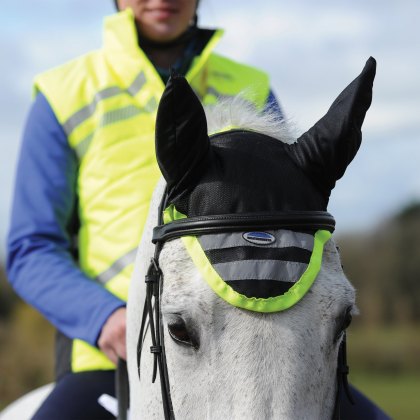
297	220
122	389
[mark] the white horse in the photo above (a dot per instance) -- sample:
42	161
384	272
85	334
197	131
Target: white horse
224	361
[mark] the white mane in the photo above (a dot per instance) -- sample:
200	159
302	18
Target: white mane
239	113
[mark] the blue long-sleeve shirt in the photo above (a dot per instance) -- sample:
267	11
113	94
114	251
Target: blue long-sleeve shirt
40	264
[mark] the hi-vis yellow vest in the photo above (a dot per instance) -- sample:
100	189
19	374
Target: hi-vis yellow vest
106	102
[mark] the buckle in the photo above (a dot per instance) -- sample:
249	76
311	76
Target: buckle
156	349
153	272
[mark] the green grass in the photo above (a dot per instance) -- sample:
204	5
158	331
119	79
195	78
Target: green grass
385	366
391	350
397	394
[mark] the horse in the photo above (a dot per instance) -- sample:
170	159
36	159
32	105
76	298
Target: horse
245	303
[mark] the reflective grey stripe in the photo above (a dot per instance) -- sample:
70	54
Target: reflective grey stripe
82	147
222	75
84	113
112	117
137	84
261	270
87	111
284	238
151	106
120	114
117	267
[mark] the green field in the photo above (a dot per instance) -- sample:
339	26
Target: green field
398	395
385	365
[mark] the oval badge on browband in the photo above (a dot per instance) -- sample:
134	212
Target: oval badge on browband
259	238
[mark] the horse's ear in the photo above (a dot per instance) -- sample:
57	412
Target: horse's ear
325	151
181	132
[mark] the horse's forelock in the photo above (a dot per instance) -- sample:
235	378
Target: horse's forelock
237	112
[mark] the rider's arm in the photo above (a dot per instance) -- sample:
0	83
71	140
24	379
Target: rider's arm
40	266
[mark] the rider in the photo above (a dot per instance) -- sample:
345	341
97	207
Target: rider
88	151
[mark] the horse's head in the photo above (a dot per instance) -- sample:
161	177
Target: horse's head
254	301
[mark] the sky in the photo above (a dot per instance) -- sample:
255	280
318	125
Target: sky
311	50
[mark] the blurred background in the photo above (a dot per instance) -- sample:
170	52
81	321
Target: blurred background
312	50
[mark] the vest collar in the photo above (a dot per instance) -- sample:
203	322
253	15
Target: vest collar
120	32
128	60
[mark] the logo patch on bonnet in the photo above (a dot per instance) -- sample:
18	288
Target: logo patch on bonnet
259	238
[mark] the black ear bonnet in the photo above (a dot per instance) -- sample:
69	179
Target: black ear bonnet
244	175
243	171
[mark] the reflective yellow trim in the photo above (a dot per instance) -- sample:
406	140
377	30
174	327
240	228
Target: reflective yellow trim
171	213
272	304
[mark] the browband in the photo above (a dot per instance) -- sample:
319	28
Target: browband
192	226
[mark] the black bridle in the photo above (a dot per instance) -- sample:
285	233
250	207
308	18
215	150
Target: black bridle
152	316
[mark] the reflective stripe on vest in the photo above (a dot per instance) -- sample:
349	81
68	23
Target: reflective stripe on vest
106	102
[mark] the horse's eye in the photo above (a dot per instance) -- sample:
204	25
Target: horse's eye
180	334
343	323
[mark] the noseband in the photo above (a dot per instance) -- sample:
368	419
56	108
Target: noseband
152	316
